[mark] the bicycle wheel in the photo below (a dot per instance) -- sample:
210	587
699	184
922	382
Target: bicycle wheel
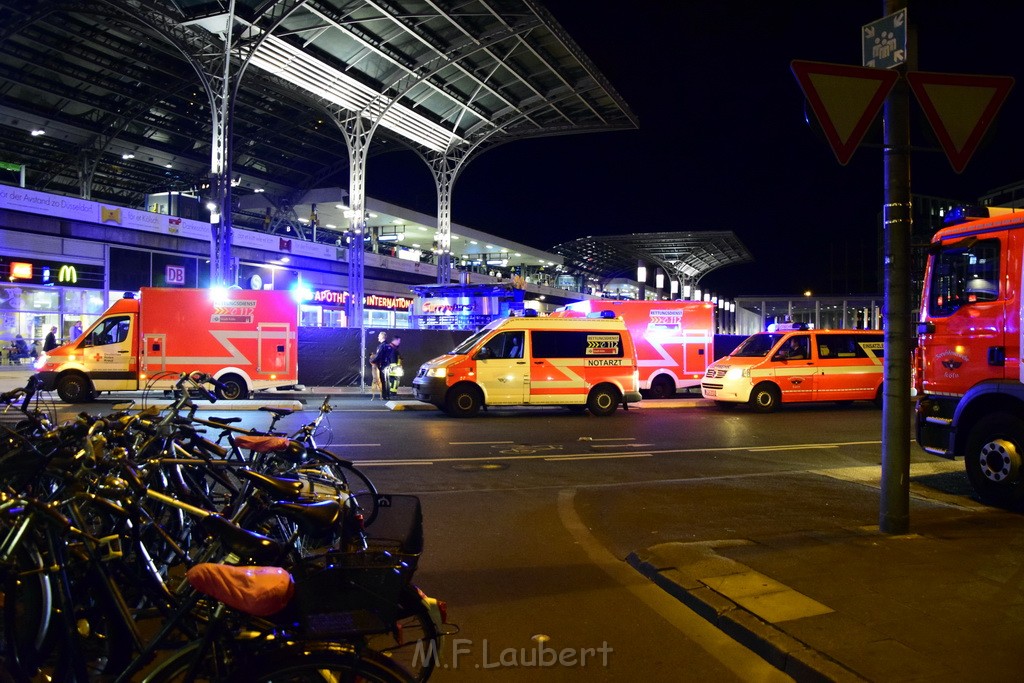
321	663
414	641
27	607
359	485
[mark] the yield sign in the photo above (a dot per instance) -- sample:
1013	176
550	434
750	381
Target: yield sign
960	108
845	99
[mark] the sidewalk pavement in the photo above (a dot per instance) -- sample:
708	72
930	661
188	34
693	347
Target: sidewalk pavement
796	580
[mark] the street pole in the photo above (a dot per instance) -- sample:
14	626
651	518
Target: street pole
894	515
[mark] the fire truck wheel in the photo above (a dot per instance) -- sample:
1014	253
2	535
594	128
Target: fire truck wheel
765	398
232	388
603	400
463	400
662	386
75	388
993	459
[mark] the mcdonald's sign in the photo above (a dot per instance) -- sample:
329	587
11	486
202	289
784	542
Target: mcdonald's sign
49	273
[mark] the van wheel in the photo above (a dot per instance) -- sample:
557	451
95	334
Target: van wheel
75	389
765	398
603	400
463	401
662	387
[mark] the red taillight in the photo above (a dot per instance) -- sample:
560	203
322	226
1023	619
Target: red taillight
442	607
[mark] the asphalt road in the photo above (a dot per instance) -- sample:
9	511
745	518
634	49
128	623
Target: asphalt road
530	513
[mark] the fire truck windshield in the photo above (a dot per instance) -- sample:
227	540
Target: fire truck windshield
963	272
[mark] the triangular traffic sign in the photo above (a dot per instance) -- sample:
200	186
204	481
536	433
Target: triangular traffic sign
845	99
960	108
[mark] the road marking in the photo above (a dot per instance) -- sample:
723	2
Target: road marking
667	451
603	456
476	443
352	445
802	447
743	662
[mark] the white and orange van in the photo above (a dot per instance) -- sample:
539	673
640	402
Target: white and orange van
799	365
574	362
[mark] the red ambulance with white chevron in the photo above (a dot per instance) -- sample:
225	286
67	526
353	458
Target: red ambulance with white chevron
245	339
674	339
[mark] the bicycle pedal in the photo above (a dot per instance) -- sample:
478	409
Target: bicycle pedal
110	548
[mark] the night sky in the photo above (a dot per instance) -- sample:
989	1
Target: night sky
723	143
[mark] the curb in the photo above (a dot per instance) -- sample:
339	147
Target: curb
771	643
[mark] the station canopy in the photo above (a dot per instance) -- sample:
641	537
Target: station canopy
105	99
685	256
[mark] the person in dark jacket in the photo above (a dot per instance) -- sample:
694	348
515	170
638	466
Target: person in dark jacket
386	355
50	343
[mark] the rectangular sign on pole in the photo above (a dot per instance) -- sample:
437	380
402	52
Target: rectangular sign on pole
884	41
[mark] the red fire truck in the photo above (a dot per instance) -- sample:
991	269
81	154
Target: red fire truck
967	363
244	339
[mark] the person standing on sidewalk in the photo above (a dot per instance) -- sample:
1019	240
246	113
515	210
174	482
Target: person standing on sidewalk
384	356
394	370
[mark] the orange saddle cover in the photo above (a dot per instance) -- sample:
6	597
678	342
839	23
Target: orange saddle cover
260	591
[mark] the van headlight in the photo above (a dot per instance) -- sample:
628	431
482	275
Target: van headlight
437	372
735	373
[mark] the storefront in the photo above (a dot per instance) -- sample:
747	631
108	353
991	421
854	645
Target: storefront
38	294
325	307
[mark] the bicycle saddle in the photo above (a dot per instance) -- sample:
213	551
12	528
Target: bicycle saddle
260	591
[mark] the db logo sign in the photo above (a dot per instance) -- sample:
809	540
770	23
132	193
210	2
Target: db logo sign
174	275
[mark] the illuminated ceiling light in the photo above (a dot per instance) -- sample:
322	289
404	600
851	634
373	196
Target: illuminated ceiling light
171	166
641	272
36	132
259	190
129	155
299	68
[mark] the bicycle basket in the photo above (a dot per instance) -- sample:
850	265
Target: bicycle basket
351	593
398	526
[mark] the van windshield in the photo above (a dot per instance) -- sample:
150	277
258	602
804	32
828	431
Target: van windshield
756	345
469	342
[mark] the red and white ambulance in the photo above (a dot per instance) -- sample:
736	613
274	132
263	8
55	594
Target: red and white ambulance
791	363
245	339
528	360
674	339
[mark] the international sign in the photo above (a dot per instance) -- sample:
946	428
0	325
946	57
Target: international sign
884	42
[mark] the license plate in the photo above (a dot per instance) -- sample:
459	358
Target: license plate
710	392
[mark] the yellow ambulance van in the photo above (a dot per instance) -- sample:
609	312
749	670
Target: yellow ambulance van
798	365
531	360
